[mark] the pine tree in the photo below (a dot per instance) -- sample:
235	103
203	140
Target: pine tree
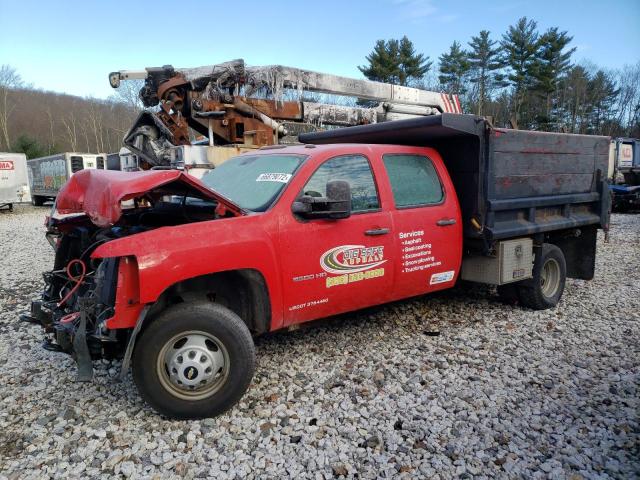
520	54
484	65
381	66
413	66
573	99
454	66
395	61
554	60
601	96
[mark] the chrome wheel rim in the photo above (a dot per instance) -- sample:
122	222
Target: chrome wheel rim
550	277
193	365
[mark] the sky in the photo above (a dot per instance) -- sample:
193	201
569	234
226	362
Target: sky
71	46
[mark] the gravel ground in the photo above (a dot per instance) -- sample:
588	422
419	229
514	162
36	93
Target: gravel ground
442	386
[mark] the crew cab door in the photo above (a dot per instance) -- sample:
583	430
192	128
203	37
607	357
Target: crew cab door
334	266
427	224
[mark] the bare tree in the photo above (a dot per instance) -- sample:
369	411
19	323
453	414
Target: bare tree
70	126
128	94
9	80
628	104
52	137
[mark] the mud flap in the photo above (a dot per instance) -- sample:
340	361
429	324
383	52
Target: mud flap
80	347
132	340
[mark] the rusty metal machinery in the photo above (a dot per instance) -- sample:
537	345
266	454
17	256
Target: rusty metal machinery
248	107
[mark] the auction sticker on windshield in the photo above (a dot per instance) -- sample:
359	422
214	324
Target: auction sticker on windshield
274	177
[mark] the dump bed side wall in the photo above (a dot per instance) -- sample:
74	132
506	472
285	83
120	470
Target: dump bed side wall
526	164
539	182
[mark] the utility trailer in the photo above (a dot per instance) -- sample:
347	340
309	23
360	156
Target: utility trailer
14	181
48	174
510	184
124	160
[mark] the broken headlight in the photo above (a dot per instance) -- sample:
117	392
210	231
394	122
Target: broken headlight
53	239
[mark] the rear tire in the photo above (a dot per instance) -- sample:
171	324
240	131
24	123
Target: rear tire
37	201
545	289
195	360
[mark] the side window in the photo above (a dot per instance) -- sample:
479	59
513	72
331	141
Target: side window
414	180
354	169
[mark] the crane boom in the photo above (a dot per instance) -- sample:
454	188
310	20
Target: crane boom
250	106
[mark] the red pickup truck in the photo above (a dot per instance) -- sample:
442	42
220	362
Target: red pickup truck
176	275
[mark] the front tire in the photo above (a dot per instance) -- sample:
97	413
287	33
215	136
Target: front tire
195	360
545	289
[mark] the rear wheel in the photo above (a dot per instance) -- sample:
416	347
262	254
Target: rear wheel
195	360
547	285
37	201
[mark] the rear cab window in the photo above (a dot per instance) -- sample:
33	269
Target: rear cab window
414	180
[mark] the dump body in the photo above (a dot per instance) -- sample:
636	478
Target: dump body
510	183
48	174
14	181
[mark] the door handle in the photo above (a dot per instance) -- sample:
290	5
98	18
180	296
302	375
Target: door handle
376	231
445	222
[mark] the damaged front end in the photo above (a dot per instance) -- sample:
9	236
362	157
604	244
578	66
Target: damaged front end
89	306
80	293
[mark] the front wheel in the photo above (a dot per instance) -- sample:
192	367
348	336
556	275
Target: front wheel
549	275
195	360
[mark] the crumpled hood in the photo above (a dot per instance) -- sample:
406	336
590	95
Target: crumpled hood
98	193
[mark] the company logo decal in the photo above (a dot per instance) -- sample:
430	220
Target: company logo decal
6	165
352	263
351	258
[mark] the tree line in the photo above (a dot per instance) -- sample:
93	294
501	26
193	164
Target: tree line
525	79
40	123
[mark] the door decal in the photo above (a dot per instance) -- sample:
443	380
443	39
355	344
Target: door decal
352	263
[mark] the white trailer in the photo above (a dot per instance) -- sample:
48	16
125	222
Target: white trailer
14	180
48	174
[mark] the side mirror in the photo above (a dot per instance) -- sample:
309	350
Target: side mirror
336	205
339	195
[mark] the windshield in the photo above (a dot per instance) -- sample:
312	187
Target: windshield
253	181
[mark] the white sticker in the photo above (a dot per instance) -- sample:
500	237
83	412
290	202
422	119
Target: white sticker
442	277
274	177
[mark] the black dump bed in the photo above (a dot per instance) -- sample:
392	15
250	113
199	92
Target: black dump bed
509	183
